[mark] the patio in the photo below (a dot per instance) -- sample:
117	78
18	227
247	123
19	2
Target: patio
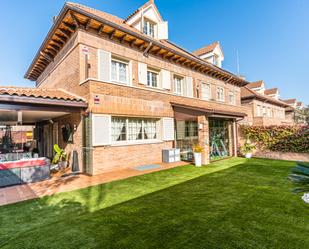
17	193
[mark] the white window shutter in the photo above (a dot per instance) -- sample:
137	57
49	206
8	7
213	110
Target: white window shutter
101	129
166	79
189	87
163	31
168	129
142	73
104	66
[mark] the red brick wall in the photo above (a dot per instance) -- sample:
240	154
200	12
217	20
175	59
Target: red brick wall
116	157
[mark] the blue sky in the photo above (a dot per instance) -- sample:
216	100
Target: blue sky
271	36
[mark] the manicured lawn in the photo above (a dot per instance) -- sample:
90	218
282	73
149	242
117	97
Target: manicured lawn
247	204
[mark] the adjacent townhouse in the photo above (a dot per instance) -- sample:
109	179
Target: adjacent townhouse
295	111
116	92
264	106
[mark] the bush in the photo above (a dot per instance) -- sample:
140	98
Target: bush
278	138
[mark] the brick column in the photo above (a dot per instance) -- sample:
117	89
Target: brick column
203	138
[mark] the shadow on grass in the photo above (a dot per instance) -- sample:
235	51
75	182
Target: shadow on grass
238	207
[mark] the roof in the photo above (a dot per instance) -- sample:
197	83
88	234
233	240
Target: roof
74	16
247	93
143	7
56	94
206	49
289	101
271	91
255	84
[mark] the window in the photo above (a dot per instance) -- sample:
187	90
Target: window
258	110
119	129
120	72
205	91
191	129
178	85
133	129
231	98
152	78
149	28
268	112
220	94
264	111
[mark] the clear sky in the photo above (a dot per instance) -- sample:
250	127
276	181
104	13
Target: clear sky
271	36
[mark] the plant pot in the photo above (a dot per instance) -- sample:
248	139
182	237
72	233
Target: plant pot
198	159
63	164
248	155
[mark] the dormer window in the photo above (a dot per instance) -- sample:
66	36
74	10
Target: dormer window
149	28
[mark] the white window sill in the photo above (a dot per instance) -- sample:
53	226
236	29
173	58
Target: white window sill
136	142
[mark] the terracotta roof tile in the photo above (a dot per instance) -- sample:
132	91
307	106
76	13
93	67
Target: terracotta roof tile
46	93
206	49
247	93
271	91
255	84
289	101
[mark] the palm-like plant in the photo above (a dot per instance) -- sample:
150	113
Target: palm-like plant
300	176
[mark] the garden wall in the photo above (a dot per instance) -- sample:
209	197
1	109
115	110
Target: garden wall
277	142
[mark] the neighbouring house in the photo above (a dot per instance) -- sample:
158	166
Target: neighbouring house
118	92
264	105
295	111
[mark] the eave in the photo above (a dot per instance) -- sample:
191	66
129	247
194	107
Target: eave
72	19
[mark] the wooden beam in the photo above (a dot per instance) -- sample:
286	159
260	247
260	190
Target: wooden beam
122	39
100	29
158	51
164	55
60	43
70	27
55	46
52	51
141	47
61	37
132	43
75	20
87	24
145	53
111	34
66	33
47	57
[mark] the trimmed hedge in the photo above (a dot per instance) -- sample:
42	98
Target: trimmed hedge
278	138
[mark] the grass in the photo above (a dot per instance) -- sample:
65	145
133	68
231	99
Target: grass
236	203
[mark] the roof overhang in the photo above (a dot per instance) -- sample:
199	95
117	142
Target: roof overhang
73	18
197	111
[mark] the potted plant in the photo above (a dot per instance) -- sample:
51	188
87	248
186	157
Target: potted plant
247	149
60	158
197	151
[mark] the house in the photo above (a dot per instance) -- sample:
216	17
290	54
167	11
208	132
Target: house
212	53
264	105
118	92
295	111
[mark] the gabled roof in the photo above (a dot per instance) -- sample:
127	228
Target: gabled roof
247	93
144	6
256	84
289	101
207	49
300	104
271	91
56	94
73	17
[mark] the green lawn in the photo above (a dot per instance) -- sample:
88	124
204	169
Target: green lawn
236	203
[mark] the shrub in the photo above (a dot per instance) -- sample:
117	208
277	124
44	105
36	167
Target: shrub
278	138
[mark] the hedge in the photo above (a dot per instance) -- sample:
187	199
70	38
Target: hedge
278	138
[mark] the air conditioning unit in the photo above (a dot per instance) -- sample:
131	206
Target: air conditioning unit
170	155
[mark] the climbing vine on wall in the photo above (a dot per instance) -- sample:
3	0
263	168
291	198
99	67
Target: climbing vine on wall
278	138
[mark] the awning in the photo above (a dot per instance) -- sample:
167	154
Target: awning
187	110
